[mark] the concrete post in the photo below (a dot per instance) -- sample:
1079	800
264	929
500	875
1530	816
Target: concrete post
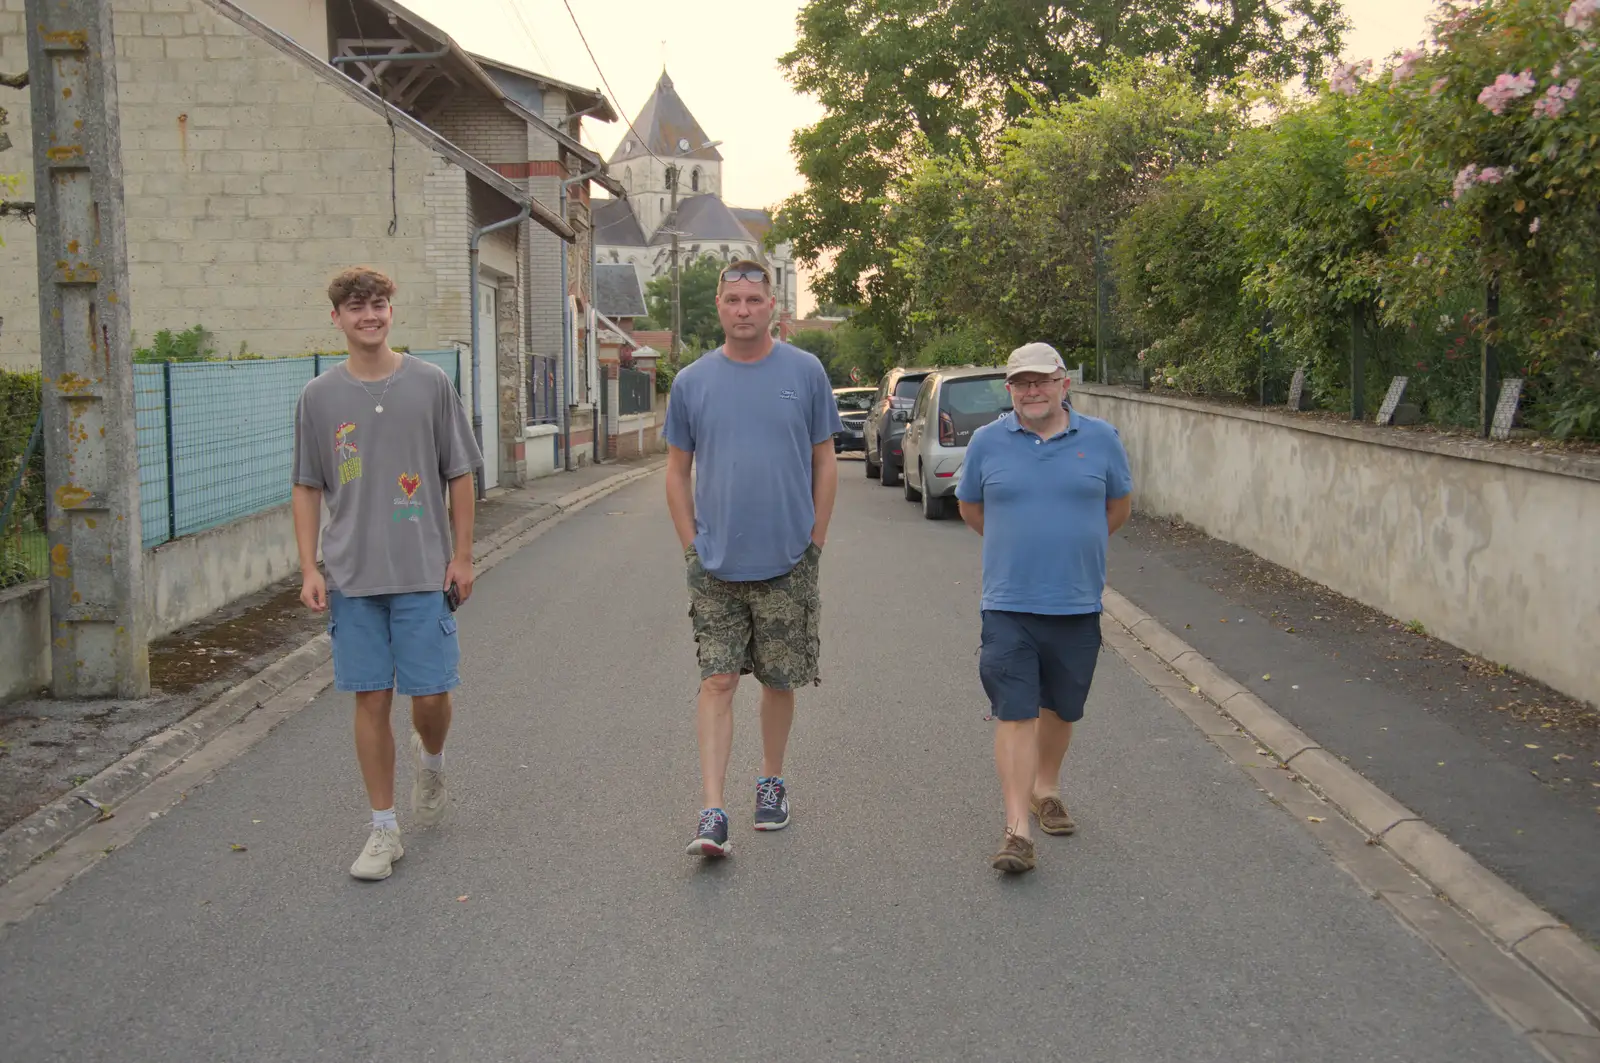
97	594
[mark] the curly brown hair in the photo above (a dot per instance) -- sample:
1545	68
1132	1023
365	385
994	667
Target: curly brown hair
360	281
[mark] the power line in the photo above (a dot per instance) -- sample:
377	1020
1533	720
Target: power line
527	31
607	84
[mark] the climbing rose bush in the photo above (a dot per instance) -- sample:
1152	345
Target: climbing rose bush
1507	128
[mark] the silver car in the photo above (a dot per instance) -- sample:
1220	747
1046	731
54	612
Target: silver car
950	406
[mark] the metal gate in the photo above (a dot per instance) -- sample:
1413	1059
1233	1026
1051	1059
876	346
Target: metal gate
602	425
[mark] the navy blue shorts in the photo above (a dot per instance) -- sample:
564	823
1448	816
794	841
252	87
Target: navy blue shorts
1032	661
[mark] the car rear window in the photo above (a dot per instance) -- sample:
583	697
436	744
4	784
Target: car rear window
906	387
973	402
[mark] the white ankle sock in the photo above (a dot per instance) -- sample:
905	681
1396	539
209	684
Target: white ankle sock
433	761
383	819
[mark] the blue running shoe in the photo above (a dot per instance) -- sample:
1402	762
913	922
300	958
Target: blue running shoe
712	838
772	804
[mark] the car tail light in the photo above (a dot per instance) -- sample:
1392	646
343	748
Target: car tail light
947	430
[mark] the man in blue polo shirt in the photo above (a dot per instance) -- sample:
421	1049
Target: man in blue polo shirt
1045	486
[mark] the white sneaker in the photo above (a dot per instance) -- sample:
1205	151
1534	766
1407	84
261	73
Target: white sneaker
377	860
429	797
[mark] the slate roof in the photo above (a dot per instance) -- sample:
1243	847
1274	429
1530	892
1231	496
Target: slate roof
703	217
617	293
662	123
758	222
592	100
615	225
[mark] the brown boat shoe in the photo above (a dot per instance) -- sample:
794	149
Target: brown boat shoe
1016	855
1053	815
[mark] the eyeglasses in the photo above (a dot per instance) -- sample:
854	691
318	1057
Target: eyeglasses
731	275
1031	385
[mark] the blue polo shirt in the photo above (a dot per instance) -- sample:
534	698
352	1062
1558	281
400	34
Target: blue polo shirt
1044	512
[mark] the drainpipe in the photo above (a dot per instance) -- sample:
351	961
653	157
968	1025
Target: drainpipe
477	362
566	316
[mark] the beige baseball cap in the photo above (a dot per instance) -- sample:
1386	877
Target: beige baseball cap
1034	358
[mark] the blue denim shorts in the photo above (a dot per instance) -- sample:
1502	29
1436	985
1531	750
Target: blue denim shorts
1030	661
402	641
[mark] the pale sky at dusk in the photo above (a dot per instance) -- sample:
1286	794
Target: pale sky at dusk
724	62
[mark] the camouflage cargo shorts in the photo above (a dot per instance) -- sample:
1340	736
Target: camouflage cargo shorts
771	627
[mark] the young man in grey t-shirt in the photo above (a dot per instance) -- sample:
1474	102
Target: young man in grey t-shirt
751	482
383	439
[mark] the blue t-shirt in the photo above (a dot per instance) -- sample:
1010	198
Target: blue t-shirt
751	427
1044	512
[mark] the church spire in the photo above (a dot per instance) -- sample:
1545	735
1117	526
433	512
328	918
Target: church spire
665	127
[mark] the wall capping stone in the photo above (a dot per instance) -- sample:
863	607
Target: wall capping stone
1583	467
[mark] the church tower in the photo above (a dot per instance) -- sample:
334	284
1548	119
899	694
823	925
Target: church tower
664	133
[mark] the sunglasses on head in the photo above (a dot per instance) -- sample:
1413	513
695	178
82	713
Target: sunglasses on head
731	275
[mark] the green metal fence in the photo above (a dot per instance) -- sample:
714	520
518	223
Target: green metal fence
215	442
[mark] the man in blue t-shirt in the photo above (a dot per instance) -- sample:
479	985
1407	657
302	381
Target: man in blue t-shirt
1045	486
750	484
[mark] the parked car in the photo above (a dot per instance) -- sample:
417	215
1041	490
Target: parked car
886	422
950	406
853	405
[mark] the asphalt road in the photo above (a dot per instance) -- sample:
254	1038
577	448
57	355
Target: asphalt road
556	917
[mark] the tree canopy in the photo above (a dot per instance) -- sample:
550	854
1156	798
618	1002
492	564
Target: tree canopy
900	80
697	299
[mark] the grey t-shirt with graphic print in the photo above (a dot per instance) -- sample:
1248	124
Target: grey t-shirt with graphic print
383	475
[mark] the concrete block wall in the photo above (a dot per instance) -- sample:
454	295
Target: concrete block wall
1490	548
185	580
249	181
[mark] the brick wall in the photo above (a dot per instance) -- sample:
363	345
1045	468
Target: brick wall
249	181
483	127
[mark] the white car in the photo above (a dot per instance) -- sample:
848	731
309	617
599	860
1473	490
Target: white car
950	406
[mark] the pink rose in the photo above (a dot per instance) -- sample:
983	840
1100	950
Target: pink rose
1407	65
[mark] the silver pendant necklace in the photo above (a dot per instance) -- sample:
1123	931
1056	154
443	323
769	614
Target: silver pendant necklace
378	402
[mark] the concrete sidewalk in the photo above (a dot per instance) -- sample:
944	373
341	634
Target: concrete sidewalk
1407	712
555	917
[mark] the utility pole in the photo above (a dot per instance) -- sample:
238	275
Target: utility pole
677	301
98	621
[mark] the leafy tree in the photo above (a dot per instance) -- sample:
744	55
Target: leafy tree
903	79
1465	168
697	281
846	351
822	343
1011	245
965	346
